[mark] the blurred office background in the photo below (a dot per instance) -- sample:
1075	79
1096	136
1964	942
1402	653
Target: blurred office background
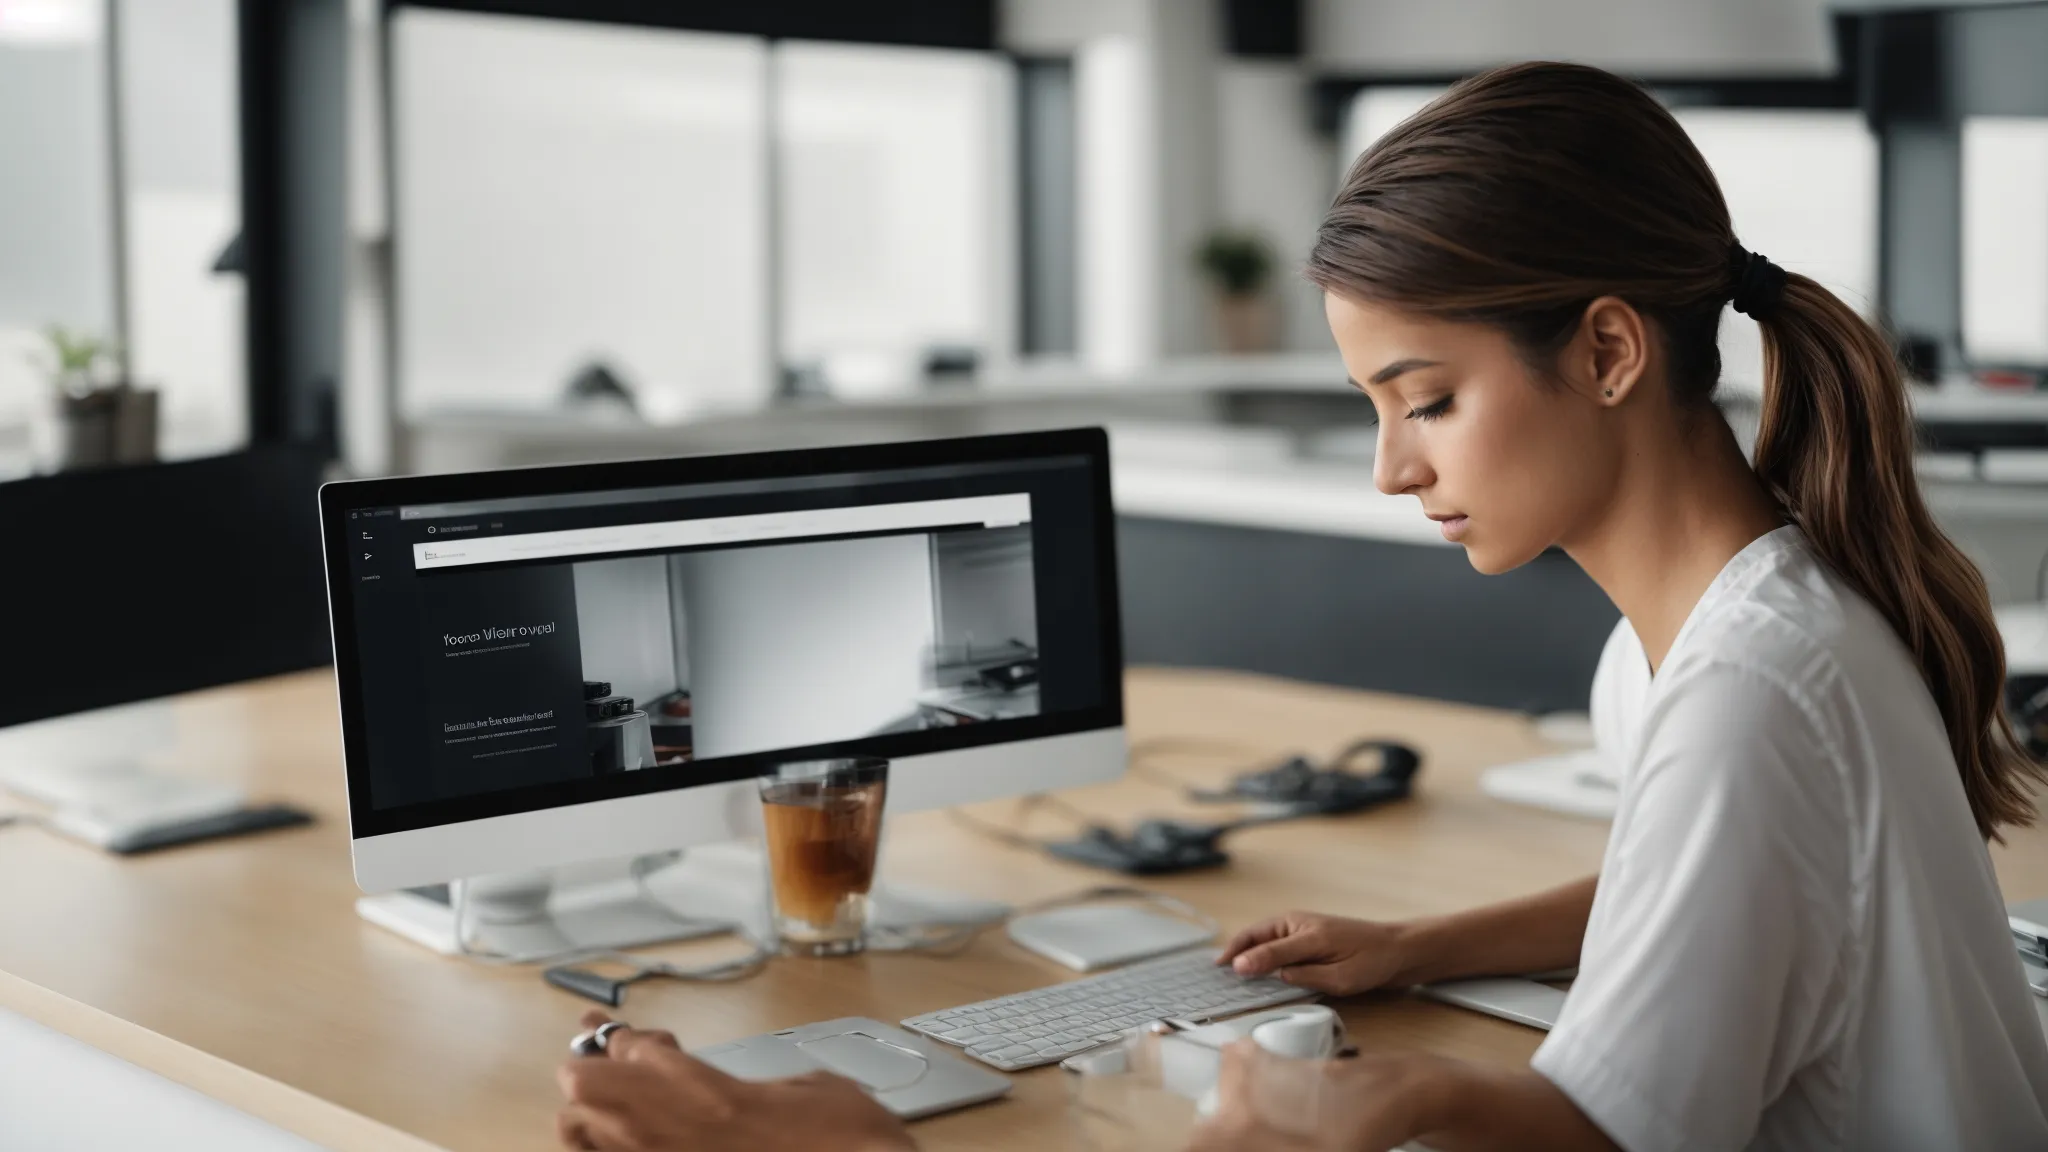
477	233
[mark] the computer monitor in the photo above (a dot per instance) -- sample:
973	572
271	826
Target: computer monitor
545	665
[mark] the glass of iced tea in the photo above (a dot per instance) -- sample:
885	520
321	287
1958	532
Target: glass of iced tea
823	821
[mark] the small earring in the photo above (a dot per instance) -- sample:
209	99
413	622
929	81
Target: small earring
1610	392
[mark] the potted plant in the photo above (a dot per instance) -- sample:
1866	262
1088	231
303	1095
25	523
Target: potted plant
1238	264
101	418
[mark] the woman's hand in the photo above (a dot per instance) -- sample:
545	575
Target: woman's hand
644	1095
1329	954
1367	1104
1382	1101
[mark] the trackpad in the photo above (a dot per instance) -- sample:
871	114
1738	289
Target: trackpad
907	1074
879	1066
757	1061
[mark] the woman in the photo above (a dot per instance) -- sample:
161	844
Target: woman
1795	939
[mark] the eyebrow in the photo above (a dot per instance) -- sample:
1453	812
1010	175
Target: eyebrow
1397	368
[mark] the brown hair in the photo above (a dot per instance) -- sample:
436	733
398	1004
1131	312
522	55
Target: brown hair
1525	193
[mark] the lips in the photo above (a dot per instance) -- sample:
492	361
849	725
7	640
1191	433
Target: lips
1452	526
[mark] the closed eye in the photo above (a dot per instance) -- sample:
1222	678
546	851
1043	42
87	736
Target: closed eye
1430	412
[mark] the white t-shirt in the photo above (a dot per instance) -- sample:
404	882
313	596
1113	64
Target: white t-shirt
1798	941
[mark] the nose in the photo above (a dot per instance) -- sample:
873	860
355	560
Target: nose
1397	463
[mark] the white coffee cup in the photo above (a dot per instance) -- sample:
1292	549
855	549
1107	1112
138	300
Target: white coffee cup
1310	1032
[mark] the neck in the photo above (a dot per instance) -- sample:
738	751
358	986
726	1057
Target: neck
1681	511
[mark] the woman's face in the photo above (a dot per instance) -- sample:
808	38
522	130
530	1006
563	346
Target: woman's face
1507	463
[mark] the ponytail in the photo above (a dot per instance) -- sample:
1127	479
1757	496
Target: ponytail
1835	448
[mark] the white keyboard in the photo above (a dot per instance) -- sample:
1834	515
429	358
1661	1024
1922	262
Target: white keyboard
1048	1024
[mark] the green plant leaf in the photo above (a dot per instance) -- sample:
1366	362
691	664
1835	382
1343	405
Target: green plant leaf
1238	261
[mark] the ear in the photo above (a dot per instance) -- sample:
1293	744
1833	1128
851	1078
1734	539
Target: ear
1611	353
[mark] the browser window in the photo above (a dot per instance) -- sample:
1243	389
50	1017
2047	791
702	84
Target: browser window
543	641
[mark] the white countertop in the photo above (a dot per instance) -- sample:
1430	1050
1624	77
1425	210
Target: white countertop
1329	500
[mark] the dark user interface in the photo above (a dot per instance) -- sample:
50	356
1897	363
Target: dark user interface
528	651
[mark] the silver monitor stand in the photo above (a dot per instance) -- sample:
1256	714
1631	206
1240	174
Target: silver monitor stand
613	905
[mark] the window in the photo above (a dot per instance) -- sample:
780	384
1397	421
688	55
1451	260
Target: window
1373	112
148	284
570	194
181	193
574	194
56	233
2005	240
897	193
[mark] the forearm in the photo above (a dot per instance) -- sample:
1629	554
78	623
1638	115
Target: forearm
1477	1108
1533	934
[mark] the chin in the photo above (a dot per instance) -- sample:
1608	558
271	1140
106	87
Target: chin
1492	559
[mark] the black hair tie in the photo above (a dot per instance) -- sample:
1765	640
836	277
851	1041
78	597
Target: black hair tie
1759	284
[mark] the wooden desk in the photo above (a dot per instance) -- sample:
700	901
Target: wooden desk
240	967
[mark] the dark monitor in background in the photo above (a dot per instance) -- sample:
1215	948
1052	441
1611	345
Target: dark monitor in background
125	584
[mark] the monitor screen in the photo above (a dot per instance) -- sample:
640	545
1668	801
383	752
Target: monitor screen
590	639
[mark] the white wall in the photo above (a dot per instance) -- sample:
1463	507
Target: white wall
56	248
1117	186
181	143
1060	27
1642	37
1372	113
1187	45
1801	188
806	643
1276	176
897	173
568	192
367	406
988	592
624	626
1145	167
2005	240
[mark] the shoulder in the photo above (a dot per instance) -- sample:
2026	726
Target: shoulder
1779	616
1762	692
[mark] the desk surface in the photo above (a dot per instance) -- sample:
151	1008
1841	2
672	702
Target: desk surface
207	961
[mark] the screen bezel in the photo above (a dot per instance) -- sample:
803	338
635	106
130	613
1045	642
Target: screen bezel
338	497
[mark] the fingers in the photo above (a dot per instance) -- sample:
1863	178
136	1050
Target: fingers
1304	945
625	1040
1275	1096
1234	1078
610	1085
1215	1136
1326	978
584	1129
646	1068
573	1131
634	1044
1246	938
